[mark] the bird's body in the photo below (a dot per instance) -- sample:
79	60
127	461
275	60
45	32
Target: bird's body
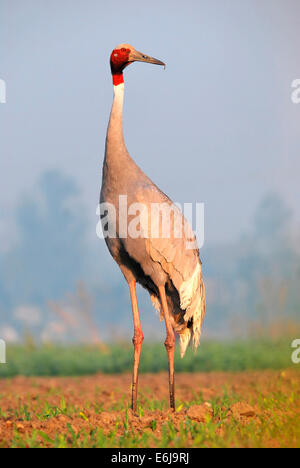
164	266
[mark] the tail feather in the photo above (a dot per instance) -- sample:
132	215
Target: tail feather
185	338
188	322
194	313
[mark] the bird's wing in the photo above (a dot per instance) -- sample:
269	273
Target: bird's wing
179	258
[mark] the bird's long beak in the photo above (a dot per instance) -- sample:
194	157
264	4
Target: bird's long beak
136	56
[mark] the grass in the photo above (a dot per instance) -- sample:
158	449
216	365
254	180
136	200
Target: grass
50	360
276	424
70	413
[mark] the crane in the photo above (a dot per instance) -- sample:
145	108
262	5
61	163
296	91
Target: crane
169	270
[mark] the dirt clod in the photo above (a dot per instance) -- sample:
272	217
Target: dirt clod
242	409
200	413
20	428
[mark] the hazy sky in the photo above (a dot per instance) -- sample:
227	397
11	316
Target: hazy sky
218	125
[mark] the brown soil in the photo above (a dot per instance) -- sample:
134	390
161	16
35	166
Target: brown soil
99	400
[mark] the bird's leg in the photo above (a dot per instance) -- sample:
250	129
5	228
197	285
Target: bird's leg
169	344
137	341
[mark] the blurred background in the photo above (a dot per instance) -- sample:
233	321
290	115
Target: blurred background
217	126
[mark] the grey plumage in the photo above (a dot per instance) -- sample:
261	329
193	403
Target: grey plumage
151	261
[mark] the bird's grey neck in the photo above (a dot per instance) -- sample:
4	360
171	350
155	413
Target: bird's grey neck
115	145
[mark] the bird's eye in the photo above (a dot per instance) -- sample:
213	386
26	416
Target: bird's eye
123	50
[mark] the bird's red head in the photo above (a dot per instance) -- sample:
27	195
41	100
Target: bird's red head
119	59
122	56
